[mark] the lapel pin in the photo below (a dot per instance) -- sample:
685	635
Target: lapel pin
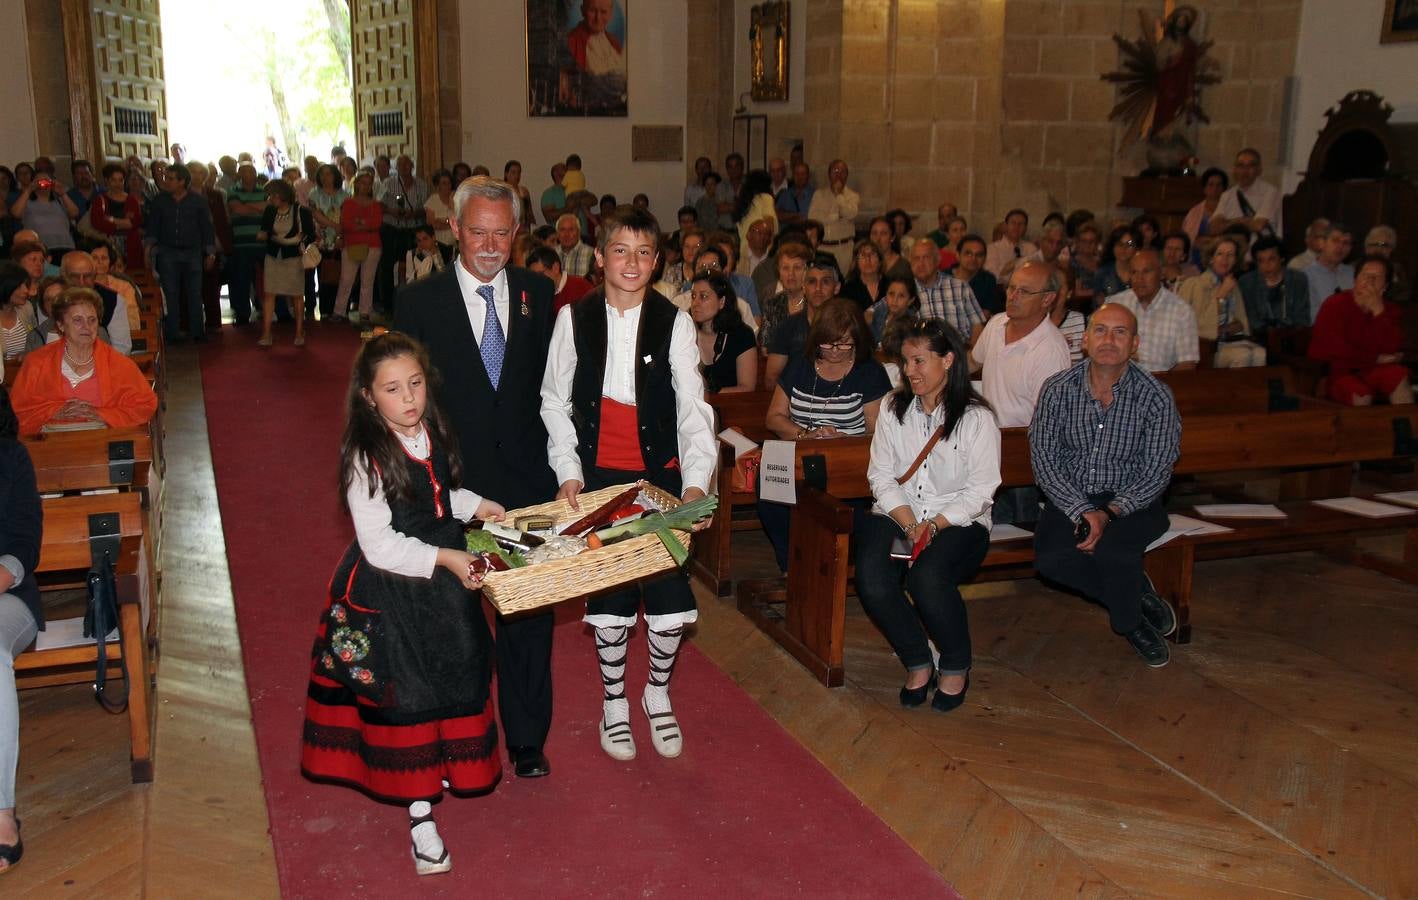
648	358
525	311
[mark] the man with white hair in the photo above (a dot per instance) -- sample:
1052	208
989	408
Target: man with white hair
487	327
1314	243
575	255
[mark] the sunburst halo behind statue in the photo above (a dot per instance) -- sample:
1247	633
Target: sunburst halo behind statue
1162	75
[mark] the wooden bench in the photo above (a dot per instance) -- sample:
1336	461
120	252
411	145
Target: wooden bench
119	459
1315	443
65	558
1239	391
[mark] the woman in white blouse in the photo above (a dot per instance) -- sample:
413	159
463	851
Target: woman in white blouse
944	502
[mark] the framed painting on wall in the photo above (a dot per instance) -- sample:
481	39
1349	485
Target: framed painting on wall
576	58
1400	21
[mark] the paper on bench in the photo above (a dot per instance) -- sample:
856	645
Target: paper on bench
1240	511
1361	507
1407	498
60	633
1004	532
777	480
1180	525
738	440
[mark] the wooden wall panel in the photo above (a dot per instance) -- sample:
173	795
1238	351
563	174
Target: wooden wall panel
128	78
383	46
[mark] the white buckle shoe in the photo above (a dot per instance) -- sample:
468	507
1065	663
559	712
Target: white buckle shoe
664	732
617	741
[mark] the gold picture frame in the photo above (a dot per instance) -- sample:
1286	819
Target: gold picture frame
768	42
1400	21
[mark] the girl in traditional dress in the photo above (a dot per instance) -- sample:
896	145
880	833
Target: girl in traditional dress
398	703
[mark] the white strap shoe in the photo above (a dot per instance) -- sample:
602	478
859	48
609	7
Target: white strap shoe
664	732
617	742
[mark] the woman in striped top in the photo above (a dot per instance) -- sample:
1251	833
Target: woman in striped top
15	322
833	390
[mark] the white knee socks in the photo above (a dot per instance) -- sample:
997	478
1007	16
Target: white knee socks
611	644
664	650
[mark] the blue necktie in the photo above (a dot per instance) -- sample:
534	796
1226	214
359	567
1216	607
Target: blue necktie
494	345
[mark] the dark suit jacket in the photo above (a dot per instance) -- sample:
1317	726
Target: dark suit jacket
1255	294
21	521
500	433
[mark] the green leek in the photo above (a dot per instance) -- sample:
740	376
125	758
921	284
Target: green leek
663	524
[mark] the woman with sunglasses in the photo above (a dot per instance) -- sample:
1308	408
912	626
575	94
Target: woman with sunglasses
833	389
1114	272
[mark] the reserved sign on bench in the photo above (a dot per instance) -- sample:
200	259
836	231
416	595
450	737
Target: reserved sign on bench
775	475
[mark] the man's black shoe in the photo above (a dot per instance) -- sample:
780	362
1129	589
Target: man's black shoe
1149	645
1157	611
529	762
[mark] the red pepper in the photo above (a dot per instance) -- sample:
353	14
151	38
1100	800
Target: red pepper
602	515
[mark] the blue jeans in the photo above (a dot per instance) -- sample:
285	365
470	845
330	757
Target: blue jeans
180	272
935	607
242	280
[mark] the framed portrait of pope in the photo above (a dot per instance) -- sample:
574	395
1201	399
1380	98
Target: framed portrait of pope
577	58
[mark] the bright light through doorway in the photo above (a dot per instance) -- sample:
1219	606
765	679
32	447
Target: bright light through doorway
230	66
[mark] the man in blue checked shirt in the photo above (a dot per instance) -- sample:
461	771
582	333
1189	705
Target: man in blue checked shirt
1103	440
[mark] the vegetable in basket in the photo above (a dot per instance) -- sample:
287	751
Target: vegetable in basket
662	523
480	541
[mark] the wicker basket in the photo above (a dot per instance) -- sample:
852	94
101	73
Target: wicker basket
518	590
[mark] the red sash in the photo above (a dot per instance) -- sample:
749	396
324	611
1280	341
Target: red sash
619	446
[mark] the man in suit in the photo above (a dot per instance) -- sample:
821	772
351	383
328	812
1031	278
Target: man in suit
491	391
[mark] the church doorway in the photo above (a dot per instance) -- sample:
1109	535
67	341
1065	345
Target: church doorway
259	76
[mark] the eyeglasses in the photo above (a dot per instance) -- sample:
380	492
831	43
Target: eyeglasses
839	345
1377	244
1015	289
1127	243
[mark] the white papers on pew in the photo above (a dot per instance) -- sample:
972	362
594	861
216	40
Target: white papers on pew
60	633
1407	498
1240	511
1005	532
1358	506
738	440
1180	525
776	480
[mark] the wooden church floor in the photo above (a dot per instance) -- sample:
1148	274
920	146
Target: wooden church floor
1274	756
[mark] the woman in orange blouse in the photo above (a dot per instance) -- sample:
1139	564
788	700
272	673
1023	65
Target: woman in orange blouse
79	380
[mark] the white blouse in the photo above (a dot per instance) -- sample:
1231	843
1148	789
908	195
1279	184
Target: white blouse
694	418
386	548
959	478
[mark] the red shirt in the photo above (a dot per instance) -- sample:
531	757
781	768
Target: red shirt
360	221
575	288
1349	338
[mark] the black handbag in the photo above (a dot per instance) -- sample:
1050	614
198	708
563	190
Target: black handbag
350	648
100	618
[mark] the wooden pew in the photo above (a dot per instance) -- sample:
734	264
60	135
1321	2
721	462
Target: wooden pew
65	557
1313	434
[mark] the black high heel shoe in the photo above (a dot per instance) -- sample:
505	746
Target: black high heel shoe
914	697
946	702
11	853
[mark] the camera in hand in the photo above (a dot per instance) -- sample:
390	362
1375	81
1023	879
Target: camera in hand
44	183
1082	530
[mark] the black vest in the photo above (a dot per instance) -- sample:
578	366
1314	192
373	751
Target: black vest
654	387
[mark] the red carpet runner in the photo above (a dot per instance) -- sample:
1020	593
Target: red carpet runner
746	812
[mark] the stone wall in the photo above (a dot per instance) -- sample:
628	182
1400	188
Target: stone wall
992	105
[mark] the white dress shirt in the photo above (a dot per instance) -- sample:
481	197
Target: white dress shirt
698	445
1002	252
957	480
384	547
1166	329
477	307
1263	197
1014	373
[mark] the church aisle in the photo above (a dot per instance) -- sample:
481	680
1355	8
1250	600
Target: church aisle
745	811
